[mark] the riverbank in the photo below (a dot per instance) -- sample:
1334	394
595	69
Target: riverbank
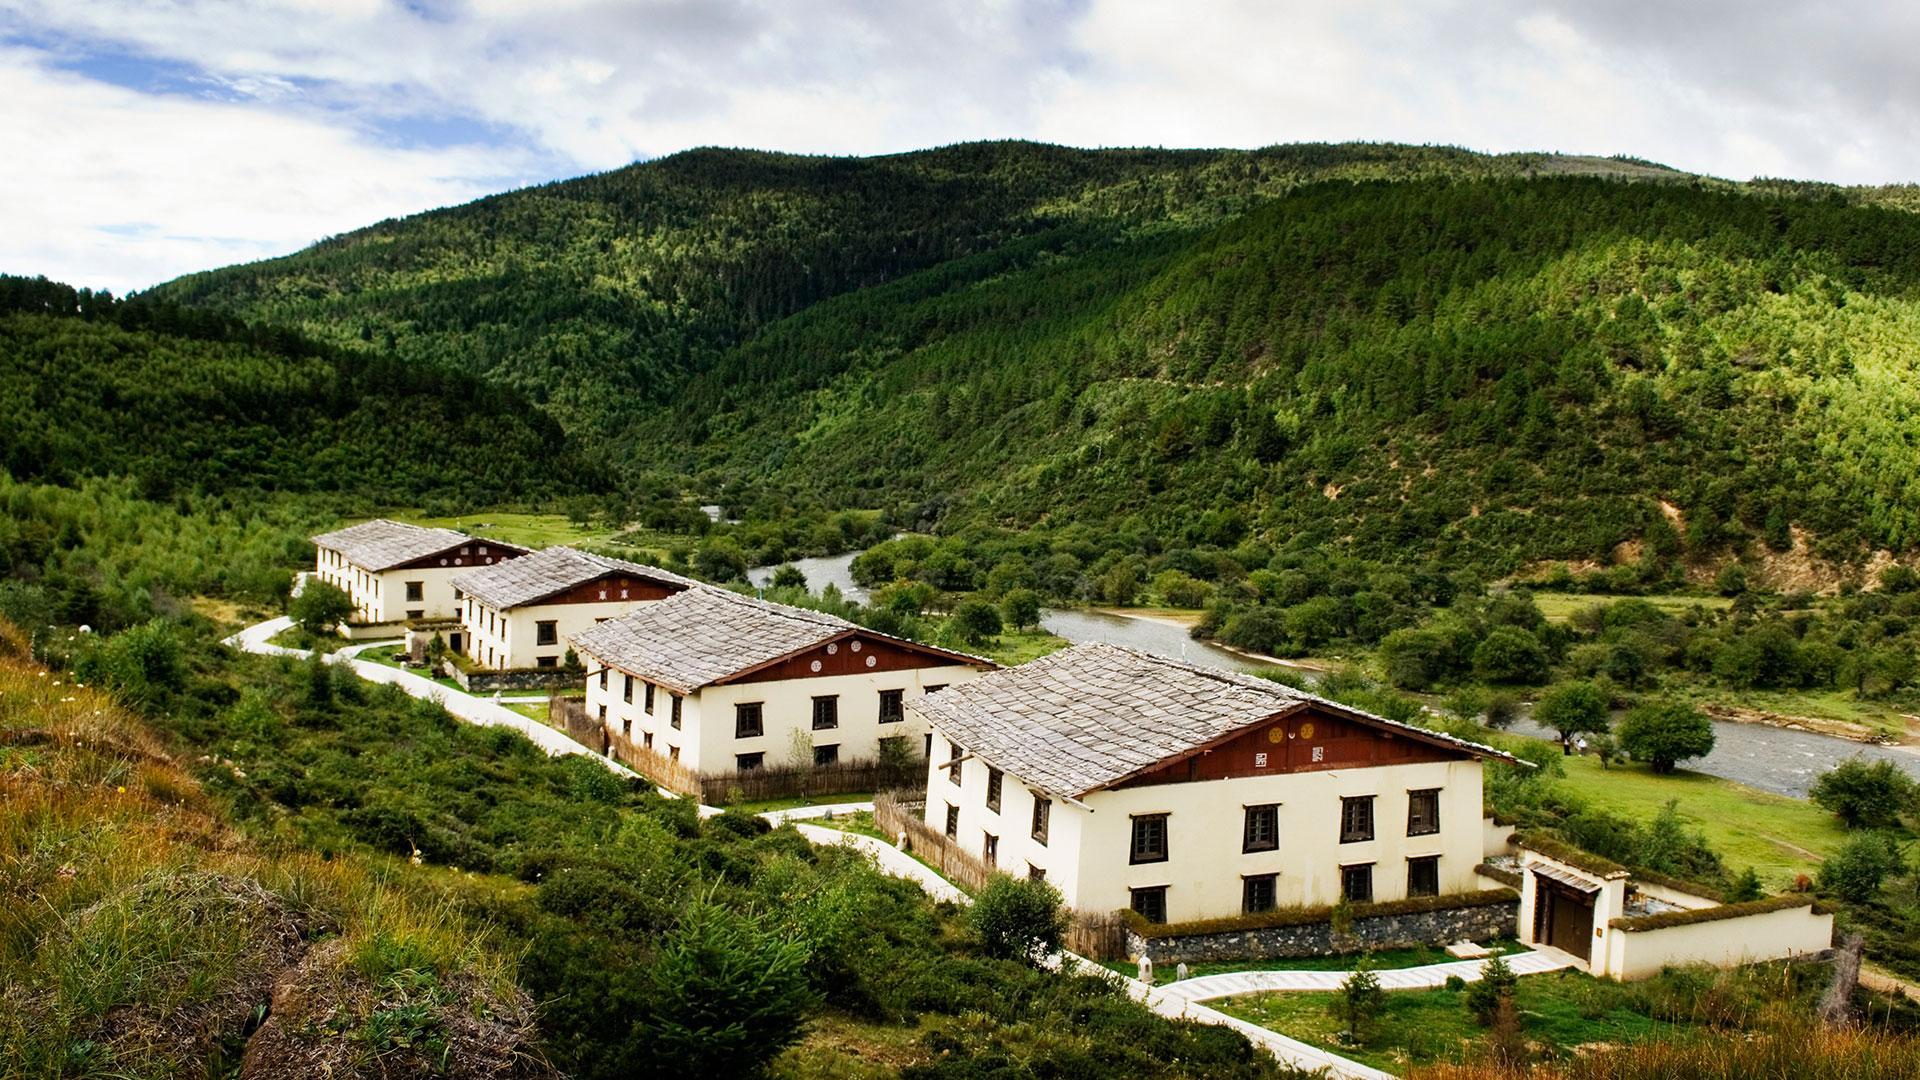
1188	618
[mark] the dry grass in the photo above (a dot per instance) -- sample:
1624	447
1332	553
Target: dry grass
1788	1054
140	936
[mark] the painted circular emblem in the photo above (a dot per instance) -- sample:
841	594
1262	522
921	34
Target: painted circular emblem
854	645
872	660
832	648
1276	733
816	665
1306	731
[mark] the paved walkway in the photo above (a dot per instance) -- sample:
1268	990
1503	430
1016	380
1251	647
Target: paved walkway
1414	978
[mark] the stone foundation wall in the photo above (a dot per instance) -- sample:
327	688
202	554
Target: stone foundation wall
486	682
1442	926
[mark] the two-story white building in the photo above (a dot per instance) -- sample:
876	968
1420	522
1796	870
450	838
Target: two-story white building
523	614
395	572
725	683
1130	780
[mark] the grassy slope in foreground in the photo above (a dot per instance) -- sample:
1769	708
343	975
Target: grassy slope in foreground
140	936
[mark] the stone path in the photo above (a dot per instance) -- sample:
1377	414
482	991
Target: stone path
1179	1001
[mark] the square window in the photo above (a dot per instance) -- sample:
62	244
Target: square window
995	779
1423	812
990	849
1150	903
546	632
1262	831
1356	883
1042	811
1356	819
826	713
892	708
953	822
1256	893
1423	876
747	720
1149	839
674	719
748	762
626	689
826	755
416	591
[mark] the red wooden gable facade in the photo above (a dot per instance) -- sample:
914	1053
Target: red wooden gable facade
471	553
855	654
1303	739
611	589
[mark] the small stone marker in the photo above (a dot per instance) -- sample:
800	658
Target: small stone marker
1467	950
901	844
1146	969
1180	972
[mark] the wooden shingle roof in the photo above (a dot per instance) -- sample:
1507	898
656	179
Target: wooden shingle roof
1089	716
381	544
531	578
707	635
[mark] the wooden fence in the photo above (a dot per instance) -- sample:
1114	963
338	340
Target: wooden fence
570	716
1098	935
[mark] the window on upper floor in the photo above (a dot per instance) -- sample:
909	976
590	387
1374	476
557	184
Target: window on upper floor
1149	844
546	632
1356	819
626	689
956	765
1151	903
995	780
826	713
416	591
747	722
1257	893
892	708
1423	812
1042	815
674	713
603	678
1262	831
648	707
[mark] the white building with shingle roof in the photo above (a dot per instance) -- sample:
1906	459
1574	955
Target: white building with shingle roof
725	683
396	572
523	614
1130	780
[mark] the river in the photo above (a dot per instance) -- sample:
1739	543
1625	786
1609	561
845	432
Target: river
1758	755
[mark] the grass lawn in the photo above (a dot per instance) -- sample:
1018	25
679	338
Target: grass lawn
1019	646
1559	606
389	656
538	530
1379	960
798	801
531	710
295	638
1838	707
1561	1009
1778	836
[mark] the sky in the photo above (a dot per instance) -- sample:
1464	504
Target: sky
144	139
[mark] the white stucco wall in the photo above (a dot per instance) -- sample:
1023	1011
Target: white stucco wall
1087	852
706	738
1771	935
381	597
513	641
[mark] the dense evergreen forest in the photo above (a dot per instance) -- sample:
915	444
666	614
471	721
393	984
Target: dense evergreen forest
1486	360
190	401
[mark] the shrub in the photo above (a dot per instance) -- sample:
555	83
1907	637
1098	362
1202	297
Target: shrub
1359	1003
320	607
788	576
1865	795
728	994
1496	983
1745	887
1509	654
1856	870
1018	918
1664	733
143	665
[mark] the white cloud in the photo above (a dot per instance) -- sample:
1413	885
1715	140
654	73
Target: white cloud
314	90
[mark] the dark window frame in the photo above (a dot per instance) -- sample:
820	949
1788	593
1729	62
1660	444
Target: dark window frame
648	707
953	822
416	591
675	719
996	783
1415	825
741	711
626	688
1429	866
826	712
831	752
1270	814
749	762
989	849
1042	819
546	632
893	706
1352	830
1346	882
1148	841
1150	902
1259	893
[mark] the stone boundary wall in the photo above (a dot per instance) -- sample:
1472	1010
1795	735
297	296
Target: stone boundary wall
1440	926
486	682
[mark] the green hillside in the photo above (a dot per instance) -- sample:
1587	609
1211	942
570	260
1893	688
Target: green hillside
1490	360
185	401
